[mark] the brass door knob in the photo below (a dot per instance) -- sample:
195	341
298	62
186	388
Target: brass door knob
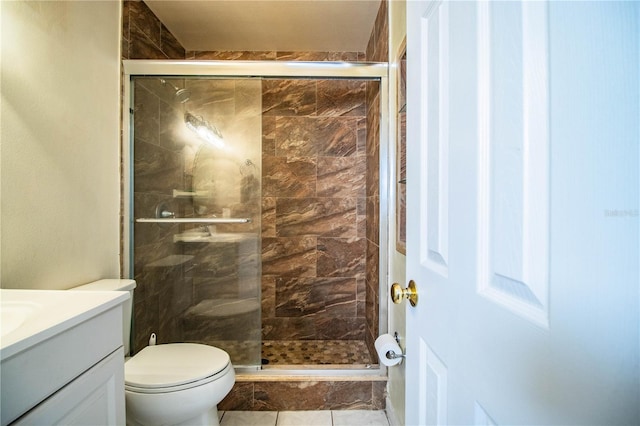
411	292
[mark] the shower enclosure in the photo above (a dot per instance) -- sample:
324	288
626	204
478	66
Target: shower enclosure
253	222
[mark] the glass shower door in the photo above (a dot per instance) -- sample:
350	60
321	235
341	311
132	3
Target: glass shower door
197	213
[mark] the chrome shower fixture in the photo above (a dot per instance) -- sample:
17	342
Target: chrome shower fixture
248	168
182	95
204	129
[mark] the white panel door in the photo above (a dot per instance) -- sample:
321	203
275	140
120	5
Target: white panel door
523	212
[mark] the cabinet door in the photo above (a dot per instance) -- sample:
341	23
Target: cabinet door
94	398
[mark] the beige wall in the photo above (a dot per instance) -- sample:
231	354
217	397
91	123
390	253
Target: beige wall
397	34
60	143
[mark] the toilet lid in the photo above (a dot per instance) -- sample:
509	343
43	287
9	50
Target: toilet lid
173	364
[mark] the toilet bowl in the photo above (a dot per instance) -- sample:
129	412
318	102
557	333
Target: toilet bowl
161	391
174	383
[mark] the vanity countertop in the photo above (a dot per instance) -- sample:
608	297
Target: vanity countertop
28	317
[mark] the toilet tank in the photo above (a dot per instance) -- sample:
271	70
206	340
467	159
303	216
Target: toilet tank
127	307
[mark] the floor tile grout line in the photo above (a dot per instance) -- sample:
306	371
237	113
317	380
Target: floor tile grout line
332	417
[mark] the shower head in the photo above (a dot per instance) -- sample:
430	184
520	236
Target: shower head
182	95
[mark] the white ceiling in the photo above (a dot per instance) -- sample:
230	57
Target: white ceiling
266	25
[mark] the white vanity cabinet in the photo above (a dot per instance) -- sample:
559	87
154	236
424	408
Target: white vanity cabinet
94	398
64	364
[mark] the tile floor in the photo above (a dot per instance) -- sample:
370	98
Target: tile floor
304	418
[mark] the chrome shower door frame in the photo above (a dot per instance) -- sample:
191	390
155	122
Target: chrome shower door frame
350	70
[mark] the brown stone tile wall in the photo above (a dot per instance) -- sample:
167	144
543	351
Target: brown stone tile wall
280	395
144	36
160	295
272	55
314	249
313	243
378	46
377	51
320	199
178	282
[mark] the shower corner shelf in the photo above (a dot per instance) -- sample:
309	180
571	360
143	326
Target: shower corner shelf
191	237
178	193
171	261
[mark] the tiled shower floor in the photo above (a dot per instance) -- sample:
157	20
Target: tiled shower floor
315	352
283	353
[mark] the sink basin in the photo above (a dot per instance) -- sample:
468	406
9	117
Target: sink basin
31	316
14	314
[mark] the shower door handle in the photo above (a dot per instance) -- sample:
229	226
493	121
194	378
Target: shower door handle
205	220
164	215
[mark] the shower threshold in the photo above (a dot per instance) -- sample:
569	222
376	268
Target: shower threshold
315	372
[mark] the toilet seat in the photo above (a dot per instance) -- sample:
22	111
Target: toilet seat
173	367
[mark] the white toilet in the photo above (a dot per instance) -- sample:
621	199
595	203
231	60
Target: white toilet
170	384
